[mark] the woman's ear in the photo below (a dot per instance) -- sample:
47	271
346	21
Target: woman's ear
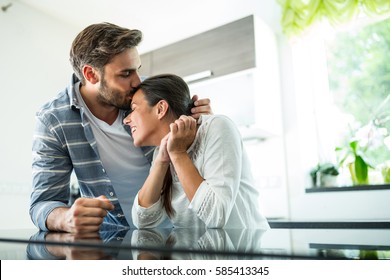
162	109
90	74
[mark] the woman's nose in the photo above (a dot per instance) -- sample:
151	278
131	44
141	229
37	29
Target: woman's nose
127	120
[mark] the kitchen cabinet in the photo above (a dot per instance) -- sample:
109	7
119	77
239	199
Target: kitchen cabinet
220	51
146	66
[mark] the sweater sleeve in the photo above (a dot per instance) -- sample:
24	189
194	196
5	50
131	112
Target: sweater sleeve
221	169
149	217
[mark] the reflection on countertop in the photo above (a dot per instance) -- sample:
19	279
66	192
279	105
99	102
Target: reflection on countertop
159	243
199	244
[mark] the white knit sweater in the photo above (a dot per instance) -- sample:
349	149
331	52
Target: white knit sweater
227	198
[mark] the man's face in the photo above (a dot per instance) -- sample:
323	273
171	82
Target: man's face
119	79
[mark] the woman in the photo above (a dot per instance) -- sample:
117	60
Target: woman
200	175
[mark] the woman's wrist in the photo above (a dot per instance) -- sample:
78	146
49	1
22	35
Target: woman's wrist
178	156
161	164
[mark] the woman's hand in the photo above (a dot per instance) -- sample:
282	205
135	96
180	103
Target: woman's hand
182	135
183	132
163	156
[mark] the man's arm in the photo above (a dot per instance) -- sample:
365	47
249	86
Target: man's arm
52	168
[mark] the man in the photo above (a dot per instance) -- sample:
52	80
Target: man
81	130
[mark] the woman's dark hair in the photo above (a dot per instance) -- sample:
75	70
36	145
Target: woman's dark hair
97	44
172	89
176	93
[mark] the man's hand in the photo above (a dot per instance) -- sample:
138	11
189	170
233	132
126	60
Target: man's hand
75	253
202	107
85	215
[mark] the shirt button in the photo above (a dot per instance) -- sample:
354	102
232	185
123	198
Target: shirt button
119	215
111	193
104	171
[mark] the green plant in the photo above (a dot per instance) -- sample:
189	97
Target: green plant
323	169
358	164
366	147
386	173
299	15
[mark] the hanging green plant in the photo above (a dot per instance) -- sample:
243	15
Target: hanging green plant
299	15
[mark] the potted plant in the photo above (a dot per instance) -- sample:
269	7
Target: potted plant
365	150
324	175
366	146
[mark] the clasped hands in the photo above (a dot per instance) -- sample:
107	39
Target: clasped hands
178	140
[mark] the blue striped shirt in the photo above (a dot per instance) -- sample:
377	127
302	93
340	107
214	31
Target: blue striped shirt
63	142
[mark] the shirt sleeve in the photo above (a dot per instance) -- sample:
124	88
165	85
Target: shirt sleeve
149	217
51	170
221	170
39	251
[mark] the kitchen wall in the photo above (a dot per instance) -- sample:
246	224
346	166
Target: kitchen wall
33	68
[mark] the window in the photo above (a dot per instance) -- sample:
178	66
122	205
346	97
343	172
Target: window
359	81
343	99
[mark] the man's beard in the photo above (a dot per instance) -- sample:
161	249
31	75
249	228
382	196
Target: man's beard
112	97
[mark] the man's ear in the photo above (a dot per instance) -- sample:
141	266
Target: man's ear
162	109
90	74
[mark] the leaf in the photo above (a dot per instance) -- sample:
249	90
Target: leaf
361	170
353	146
366	160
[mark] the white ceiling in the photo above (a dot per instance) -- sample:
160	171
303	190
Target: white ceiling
161	21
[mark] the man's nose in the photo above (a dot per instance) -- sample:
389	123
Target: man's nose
135	81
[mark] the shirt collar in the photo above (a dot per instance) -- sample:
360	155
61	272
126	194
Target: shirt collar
74	86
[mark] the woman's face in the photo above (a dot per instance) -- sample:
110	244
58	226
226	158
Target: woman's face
143	121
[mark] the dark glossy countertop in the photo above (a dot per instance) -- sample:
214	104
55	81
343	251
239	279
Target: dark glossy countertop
280	242
342	224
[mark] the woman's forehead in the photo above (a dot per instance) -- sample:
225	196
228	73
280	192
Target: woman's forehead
138	96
